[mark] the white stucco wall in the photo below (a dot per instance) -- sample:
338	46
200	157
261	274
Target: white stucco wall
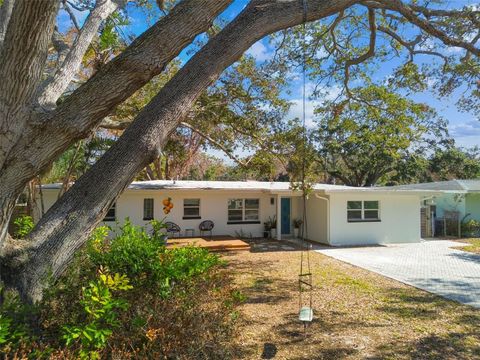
317	215
399	214
213	206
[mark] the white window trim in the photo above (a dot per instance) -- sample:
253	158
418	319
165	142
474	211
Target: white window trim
153	209
362	209
243	221
199	216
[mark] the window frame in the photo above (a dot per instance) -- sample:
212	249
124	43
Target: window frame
243	209
196	217
114	218
362	210
147	218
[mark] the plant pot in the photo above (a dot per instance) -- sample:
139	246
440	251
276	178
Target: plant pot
296	231
273	233
266	234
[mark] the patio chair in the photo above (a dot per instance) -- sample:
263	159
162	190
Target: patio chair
172	228
206	226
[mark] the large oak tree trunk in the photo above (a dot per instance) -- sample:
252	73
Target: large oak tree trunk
31	137
65	227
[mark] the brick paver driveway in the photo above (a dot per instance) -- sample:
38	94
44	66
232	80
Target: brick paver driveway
430	265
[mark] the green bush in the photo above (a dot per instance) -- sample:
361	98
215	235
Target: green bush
14	318
101	318
128	296
471	228
146	261
24	226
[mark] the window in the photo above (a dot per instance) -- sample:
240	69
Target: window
363	211
147	209
243	211
191	208
22	200
111	214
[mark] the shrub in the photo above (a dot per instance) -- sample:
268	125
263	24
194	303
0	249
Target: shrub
129	296
470	228
14	318
100	307
24	226
146	261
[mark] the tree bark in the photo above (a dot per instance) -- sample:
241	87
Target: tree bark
65	227
55	86
28	147
5	13
22	57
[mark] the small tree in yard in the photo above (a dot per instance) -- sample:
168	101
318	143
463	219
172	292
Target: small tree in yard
40	117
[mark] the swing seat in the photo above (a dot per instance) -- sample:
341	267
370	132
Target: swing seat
306	314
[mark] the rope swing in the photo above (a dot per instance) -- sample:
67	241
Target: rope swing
305	284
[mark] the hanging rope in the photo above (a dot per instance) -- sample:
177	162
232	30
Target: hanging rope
305	276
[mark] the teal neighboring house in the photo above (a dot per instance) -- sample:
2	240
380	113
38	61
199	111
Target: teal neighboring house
451	210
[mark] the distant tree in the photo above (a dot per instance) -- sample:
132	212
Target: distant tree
455	163
364	138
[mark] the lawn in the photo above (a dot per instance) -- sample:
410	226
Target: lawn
358	314
474	246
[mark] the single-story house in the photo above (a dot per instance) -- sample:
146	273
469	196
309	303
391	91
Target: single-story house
336	215
456	200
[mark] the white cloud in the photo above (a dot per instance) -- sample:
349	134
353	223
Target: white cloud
259	51
466	129
296	107
296	110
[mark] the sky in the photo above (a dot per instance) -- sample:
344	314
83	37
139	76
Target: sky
463	127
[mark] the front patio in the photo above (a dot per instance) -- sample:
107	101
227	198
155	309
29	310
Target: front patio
213	243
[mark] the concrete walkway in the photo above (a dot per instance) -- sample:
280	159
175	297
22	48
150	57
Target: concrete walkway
430	265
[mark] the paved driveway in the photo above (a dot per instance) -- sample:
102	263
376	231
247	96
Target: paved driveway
431	265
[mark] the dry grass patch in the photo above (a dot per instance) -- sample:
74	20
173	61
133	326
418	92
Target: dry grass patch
473	247
358	314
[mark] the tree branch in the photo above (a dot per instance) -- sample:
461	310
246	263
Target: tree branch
410	45
71	14
215	143
85	108
371	48
408	11
55	86
5	14
111	124
61	47
22	58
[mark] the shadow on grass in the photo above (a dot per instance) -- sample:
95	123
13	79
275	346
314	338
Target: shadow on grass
413	306
447	346
406	304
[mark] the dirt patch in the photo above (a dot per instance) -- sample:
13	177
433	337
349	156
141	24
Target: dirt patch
357	314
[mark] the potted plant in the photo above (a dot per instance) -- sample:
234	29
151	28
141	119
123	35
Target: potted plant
267	227
297	223
273	227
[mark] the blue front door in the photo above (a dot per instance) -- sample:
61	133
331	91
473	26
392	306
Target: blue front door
285	216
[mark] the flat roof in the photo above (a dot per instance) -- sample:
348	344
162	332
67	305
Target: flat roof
273	187
455	186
